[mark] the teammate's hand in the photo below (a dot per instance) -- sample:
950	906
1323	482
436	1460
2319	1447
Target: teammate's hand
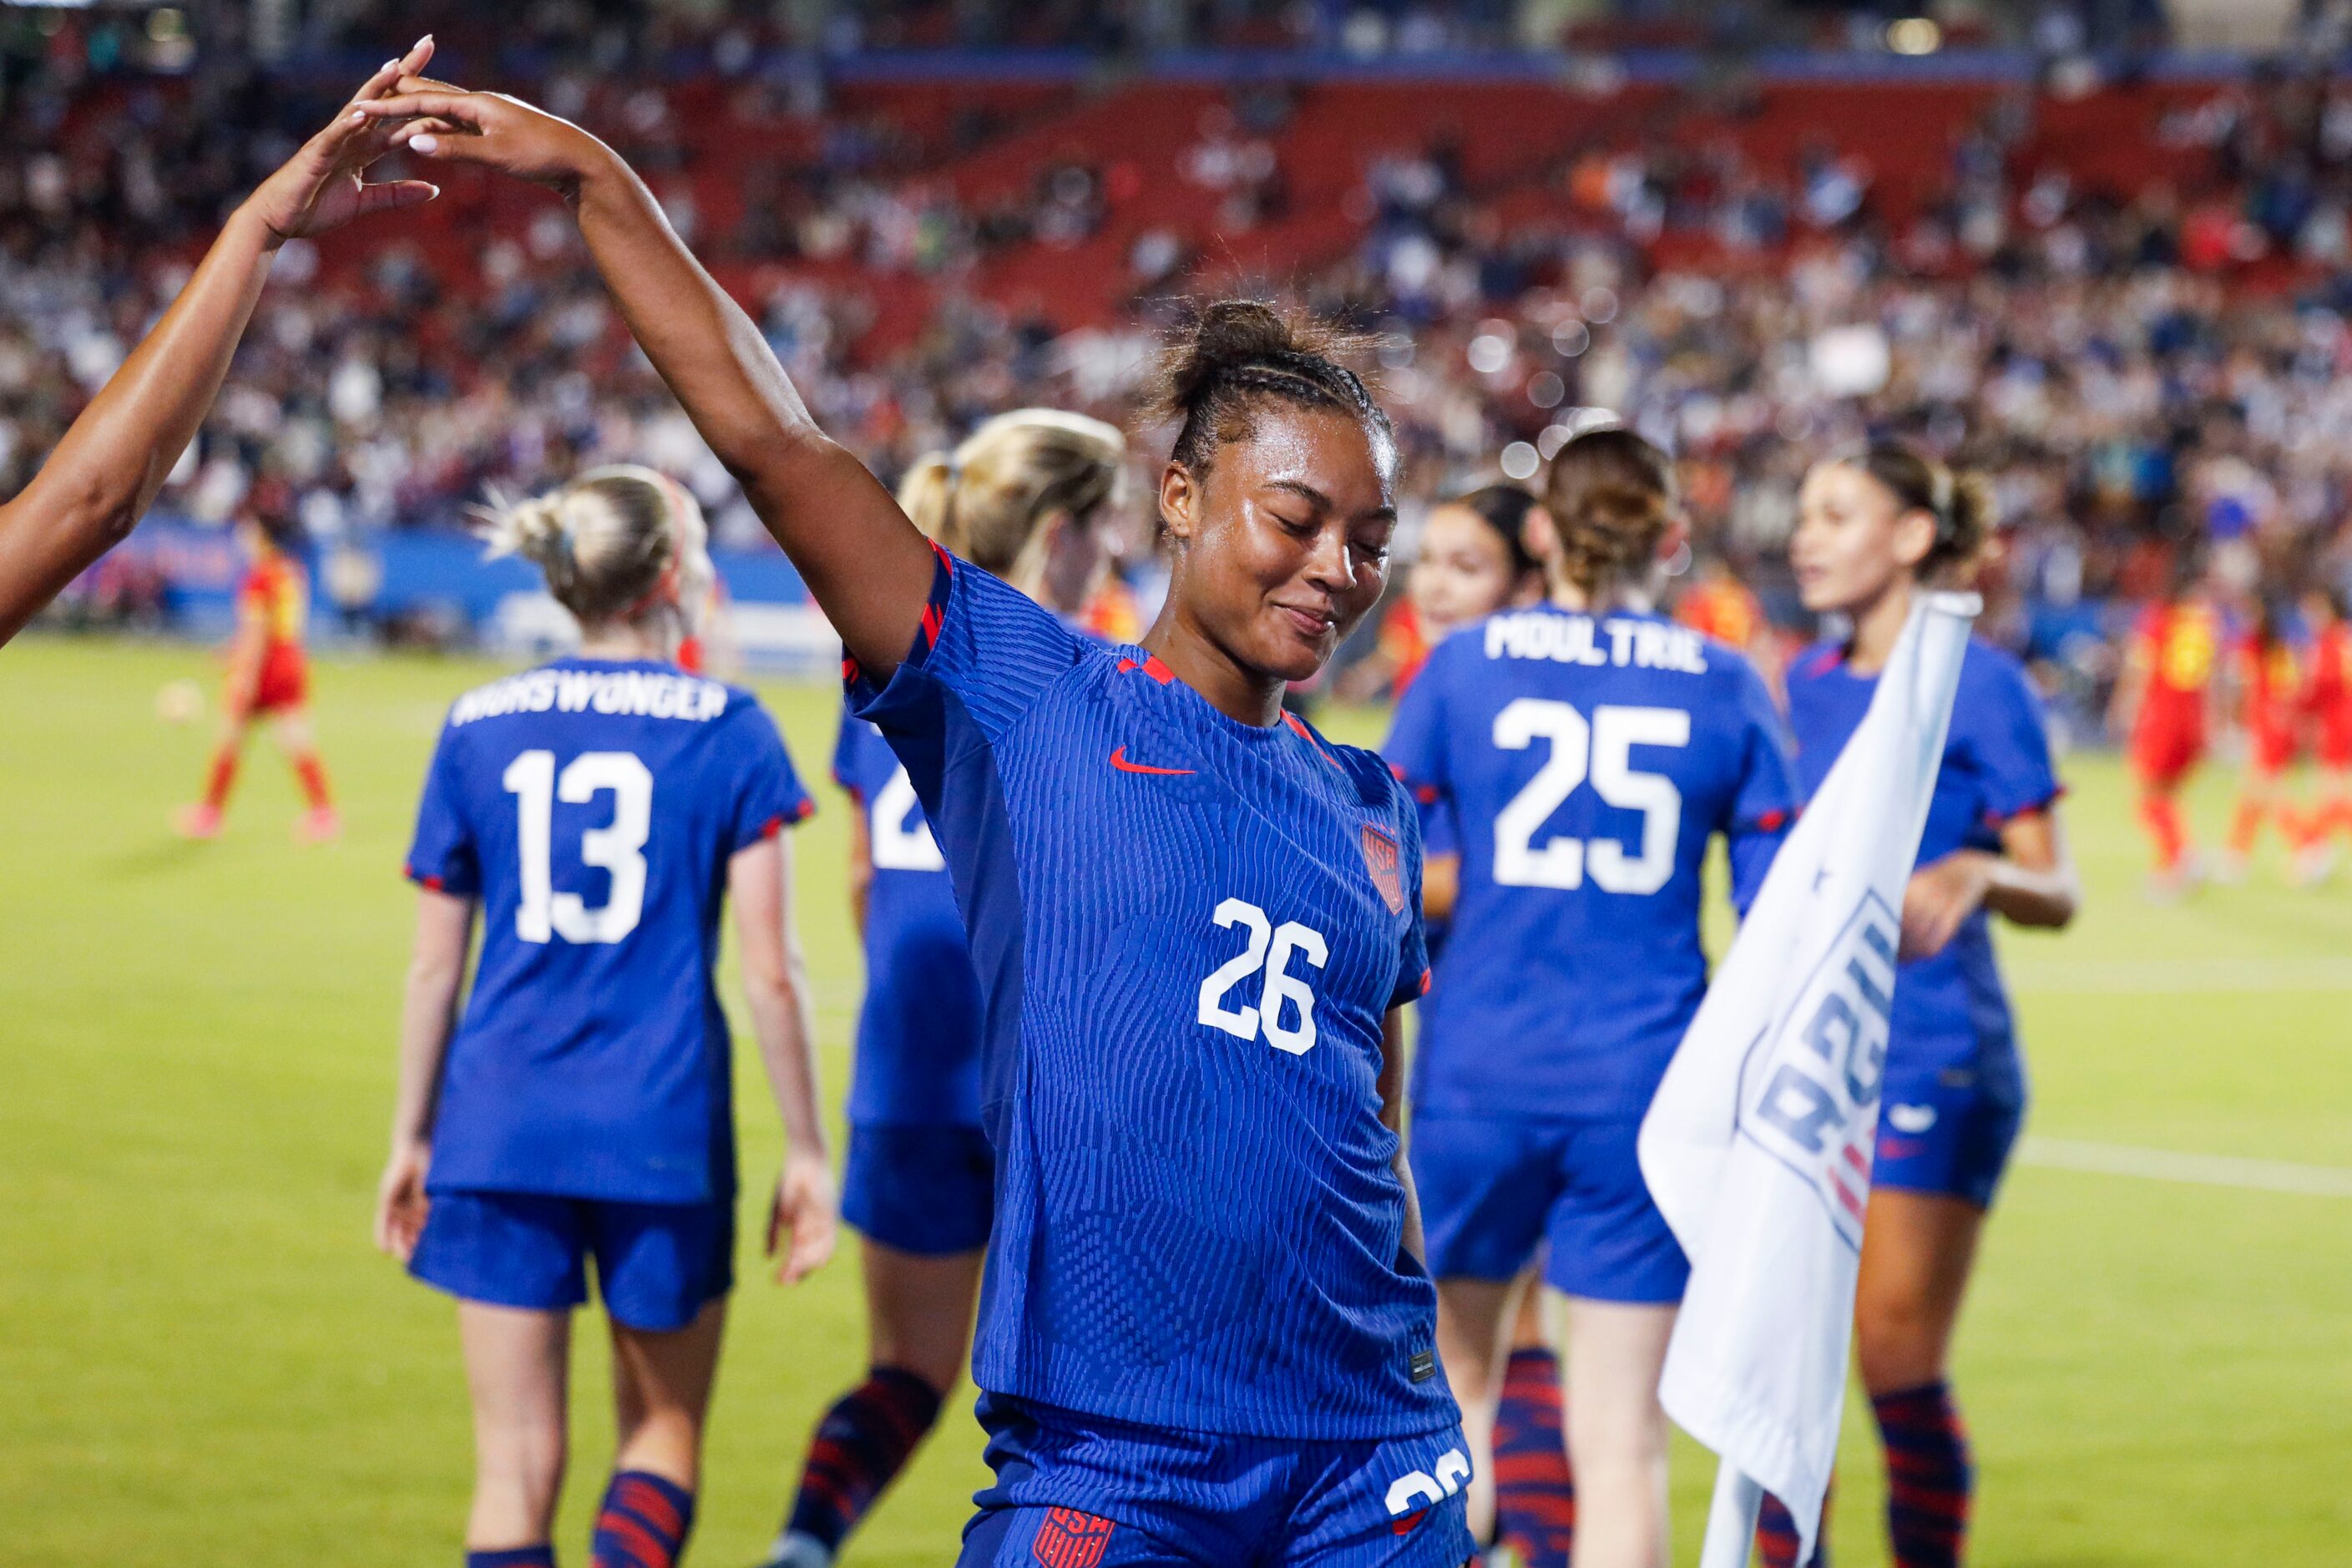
323	185
802	1218
448	124
400	1200
1942	895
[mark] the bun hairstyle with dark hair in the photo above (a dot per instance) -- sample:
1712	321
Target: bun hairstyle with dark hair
1235	352
1504	509
1960	503
1610	496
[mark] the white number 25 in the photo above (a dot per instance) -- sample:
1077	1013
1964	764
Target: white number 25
542	913
1601	750
1272	947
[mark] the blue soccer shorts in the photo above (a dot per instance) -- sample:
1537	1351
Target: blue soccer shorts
1495	1189
1077	1491
1947	1132
930	1190
657	1264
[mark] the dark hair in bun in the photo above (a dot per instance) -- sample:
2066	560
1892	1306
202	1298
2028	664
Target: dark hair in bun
1233	352
1504	509
1961	503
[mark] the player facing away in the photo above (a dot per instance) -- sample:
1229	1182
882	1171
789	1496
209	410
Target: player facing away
2160	706
1589	750
1019	498
268	678
93	488
1871	531
598	811
1205	1335
2325	703
2266	682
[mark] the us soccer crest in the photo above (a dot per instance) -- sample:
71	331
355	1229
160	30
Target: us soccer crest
1069	1539
1380	858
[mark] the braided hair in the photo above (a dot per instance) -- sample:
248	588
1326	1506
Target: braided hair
1235	353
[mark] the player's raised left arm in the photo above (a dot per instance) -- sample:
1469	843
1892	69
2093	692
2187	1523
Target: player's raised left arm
93	490
801	1220
1394	1056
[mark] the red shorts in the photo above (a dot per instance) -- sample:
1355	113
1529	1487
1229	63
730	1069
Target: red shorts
2335	747
284	682
2163	753
2270	751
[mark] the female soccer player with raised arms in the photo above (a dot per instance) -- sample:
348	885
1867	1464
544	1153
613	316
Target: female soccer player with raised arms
1018	498
599	811
1588	748
1873	529
1205	1335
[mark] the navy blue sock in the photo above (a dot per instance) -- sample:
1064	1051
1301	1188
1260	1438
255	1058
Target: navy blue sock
643	1522
863	1442
514	1557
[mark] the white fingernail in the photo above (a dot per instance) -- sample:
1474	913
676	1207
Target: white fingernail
359	117
428	145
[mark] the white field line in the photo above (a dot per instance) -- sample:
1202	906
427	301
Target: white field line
2153	977
2201	1170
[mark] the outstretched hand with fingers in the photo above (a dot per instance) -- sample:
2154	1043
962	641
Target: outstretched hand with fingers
802	1220
434	120
324	184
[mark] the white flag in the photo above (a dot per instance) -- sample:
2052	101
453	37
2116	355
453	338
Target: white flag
1758	1146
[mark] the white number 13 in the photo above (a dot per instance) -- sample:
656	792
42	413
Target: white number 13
1273	947
543	913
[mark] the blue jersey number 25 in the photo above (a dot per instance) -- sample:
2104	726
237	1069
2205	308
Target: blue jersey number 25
1600	750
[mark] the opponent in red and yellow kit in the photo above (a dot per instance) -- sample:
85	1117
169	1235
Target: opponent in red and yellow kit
2326	712
2169	666
2269	689
269	676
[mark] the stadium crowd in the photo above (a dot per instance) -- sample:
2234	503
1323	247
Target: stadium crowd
2134	372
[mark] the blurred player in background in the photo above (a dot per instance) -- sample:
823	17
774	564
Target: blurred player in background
599	810
94	487
1206	1332
1473	559
1590	751
2325	702
268	678
1872	532
2267	689
2160	706
1020	498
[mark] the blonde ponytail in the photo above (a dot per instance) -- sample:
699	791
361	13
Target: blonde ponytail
606	542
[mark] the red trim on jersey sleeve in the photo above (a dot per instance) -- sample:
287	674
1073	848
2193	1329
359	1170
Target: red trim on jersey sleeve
1150	666
807	809
431	884
1999	819
1425	982
1771	820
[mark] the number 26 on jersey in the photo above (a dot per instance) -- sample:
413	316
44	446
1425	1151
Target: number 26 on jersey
1284	1013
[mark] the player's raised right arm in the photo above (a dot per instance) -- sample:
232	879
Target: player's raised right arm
868	566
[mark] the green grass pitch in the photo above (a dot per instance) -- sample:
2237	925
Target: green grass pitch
202	1361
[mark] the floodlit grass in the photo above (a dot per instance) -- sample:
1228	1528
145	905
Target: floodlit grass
204	1363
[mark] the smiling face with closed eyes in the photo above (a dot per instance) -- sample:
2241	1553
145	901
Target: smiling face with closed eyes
1282	545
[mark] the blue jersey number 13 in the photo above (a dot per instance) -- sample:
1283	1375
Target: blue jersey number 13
542	913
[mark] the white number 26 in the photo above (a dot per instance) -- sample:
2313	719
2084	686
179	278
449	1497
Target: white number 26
1271	947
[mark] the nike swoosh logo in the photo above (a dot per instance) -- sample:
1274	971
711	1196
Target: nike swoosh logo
1118	760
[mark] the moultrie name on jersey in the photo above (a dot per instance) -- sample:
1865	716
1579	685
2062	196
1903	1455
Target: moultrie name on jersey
1580	639
647	694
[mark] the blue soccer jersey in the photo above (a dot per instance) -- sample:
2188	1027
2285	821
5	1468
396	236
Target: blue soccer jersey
1951	1011
1586	763
592	805
1188	931
918	1030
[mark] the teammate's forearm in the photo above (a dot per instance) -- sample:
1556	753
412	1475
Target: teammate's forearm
2030	897
427	1012
106	470
783	1023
